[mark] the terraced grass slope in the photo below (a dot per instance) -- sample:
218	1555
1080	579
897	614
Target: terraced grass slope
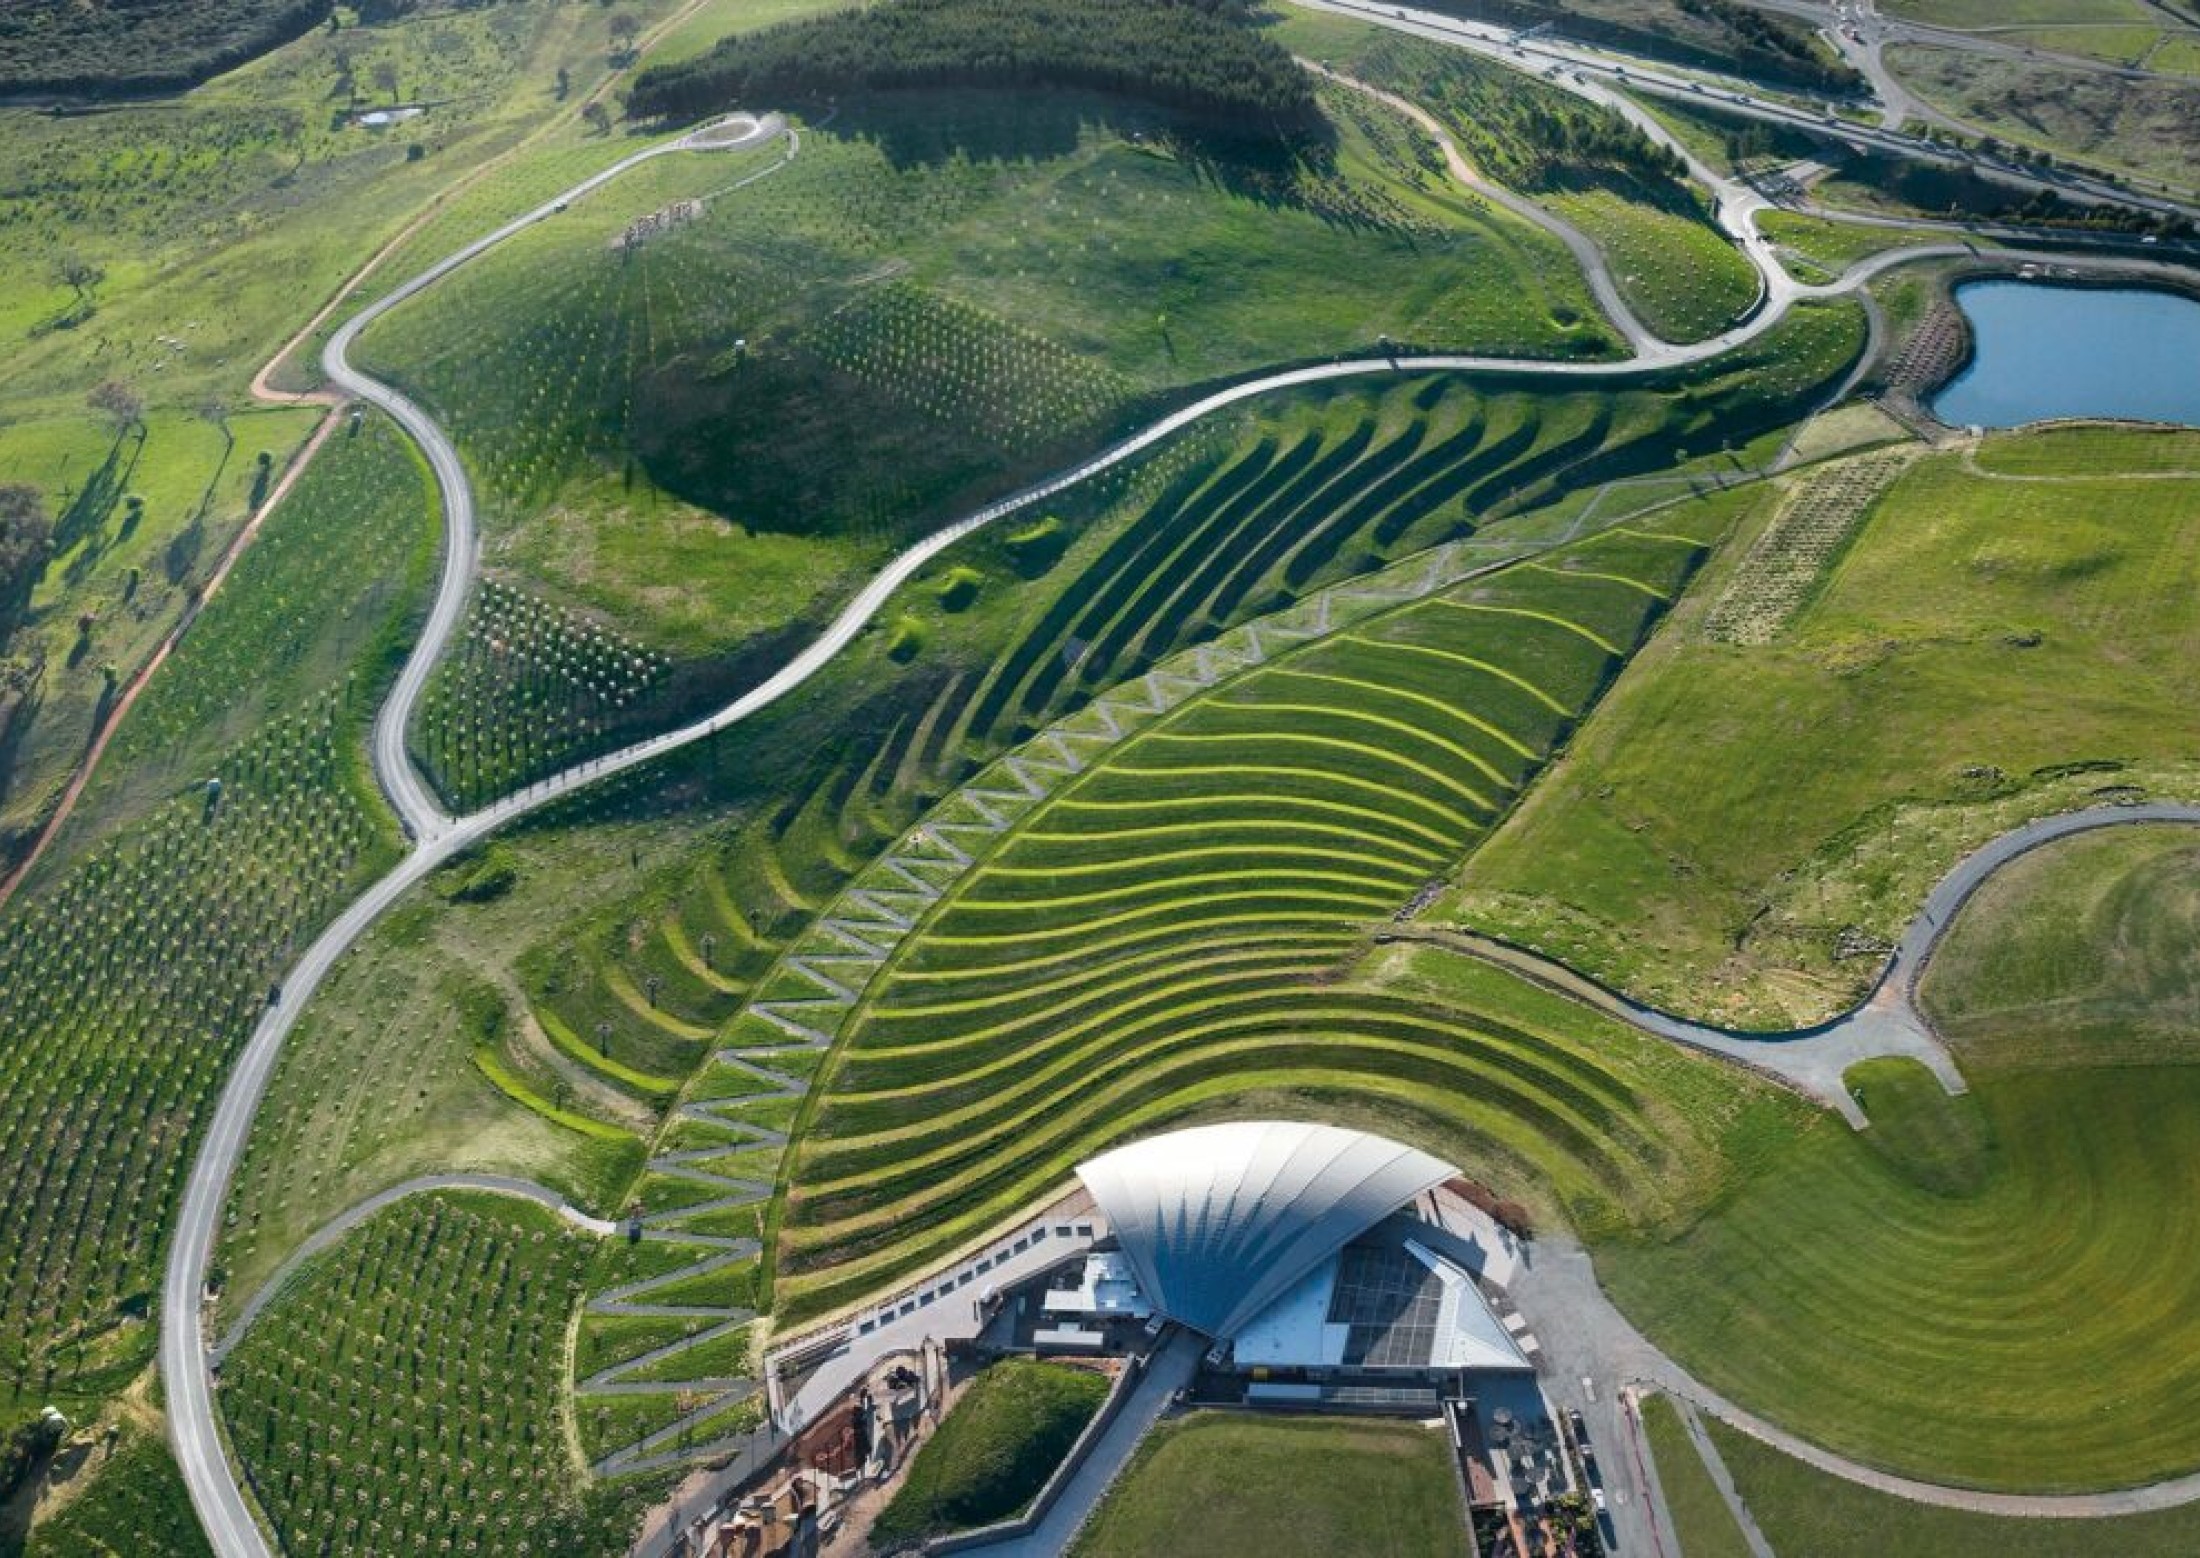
1749	823
1182	919
406	1391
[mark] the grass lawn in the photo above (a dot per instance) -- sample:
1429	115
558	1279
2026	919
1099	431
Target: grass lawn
2079	954
1741	815
1239	1485
1803	1510
1704	1525
1979	1291
1679	273
1817	250
995	1449
2009	13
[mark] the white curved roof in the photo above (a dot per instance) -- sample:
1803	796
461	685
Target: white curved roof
1219	1220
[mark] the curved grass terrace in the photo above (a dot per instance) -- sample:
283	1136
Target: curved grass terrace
1101	968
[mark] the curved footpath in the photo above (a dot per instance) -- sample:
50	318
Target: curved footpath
352	1216
416	805
226	1515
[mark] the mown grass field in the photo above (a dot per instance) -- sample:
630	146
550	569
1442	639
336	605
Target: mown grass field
1980	649
1989	1284
995	1450
1818	251
2078	955
1702	1523
1802	1510
1239	1485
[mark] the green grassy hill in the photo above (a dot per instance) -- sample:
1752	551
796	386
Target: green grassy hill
1903	665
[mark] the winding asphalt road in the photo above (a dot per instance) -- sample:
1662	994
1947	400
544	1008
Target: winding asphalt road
1577	67
195	1431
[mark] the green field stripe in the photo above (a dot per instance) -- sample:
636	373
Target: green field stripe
1484	608
573	1049
1559	1071
1337	743
1625	581
1665	536
880	1127
1143	990
882	1008
491	1065
1232	825
1047	1123
1235	799
1402	646
1297	913
1146	862
616	981
1176	887
1588	1093
1464	826
1450	711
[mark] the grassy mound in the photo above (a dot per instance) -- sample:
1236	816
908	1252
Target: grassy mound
2078	955
1239	1485
995	1450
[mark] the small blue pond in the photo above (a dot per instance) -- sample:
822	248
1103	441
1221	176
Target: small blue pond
2045	351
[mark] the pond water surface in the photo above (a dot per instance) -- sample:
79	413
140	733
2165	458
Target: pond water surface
2045	351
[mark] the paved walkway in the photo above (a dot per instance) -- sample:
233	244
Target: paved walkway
351	1217
1722	1479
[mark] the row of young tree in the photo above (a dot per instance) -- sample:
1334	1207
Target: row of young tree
1200	56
